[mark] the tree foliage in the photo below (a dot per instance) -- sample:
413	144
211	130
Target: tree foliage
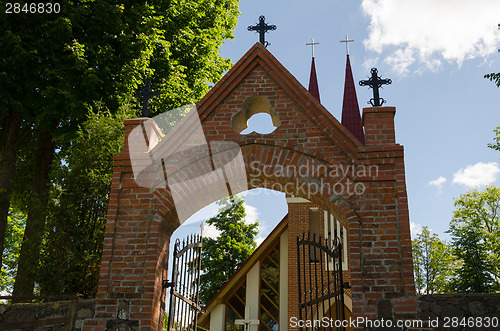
494	77
71	252
434	263
55	67
13	238
475	229
221	257
496	144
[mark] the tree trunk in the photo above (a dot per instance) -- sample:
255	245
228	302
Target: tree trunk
35	223
9	137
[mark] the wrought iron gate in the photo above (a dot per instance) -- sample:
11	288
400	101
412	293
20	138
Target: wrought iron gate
184	287
321	288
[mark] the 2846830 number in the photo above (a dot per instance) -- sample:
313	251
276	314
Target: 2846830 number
32	8
473	322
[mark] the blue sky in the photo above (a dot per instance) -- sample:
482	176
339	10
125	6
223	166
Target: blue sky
435	52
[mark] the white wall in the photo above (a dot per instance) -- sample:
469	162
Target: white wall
283	321
252	296
218	318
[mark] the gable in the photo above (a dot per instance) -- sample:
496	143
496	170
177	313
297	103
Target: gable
303	121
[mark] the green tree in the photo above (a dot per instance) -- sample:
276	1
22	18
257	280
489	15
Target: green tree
221	257
433	263
496	144
72	247
494	77
475	229
55	66
13	238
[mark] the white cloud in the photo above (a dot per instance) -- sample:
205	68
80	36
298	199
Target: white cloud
259	240
251	213
438	183
415	229
401	60
429	31
210	231
479	174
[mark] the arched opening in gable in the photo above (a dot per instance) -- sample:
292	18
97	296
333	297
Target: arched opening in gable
257	108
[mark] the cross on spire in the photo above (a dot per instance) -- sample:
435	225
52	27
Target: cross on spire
375	82
145	94
262	27
347	41
312	43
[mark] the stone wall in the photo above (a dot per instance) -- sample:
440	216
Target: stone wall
21	312
468	306
429	307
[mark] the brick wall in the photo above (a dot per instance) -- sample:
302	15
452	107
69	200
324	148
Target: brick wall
140	220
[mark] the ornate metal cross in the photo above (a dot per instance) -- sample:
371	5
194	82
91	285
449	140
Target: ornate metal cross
145	94
375	82
262	28
312	43
347	41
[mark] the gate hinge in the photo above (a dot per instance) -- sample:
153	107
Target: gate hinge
165	284
346	285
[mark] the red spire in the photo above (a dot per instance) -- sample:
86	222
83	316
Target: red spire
313	82
350	108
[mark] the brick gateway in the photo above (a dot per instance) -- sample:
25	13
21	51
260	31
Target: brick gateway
141	220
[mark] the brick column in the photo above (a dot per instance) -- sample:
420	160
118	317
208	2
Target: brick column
134	258
379	125
298	223
387	285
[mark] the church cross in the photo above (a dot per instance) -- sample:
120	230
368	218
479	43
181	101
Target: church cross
246	323
145	94
262	28
347	41
312	43
375	82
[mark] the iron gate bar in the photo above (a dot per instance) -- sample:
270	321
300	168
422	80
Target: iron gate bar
184	287
323	298
310	298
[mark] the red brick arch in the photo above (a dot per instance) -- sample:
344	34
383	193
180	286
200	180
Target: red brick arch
141	219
